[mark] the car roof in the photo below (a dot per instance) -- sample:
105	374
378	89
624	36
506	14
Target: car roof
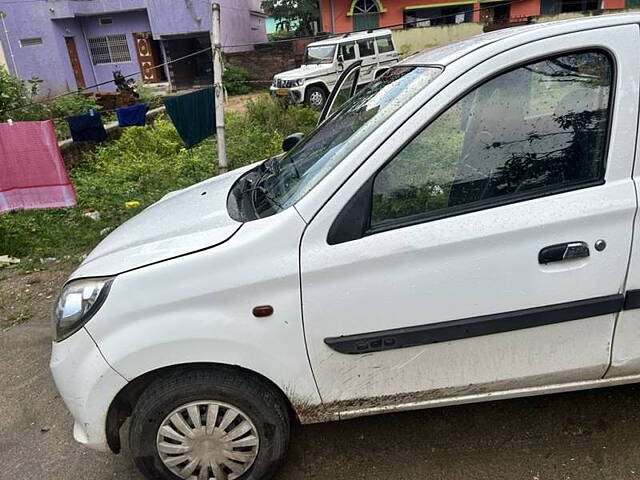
351	36
447	54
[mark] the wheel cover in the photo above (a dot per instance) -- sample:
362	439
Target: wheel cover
207	440
316	99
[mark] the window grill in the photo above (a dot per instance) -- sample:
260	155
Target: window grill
109	49
30	42
365	7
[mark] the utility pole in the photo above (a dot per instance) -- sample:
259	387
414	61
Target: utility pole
217	87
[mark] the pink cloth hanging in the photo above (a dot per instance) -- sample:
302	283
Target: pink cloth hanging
32	172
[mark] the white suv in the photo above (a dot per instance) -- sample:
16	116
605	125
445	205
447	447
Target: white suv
460	230
325	60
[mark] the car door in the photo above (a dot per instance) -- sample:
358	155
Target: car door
367	53
346	86
459	259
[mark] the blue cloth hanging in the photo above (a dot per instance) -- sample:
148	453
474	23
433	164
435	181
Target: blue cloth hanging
134	116
87	127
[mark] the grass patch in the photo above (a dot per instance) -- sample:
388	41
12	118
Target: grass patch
142	165
13	320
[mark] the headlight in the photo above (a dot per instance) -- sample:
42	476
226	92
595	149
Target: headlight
78	302
298	83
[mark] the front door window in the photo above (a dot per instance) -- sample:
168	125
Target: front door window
536	130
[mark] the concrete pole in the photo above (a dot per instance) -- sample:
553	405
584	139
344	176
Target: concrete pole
218	88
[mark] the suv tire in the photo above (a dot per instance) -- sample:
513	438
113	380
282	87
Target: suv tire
211	398
315	97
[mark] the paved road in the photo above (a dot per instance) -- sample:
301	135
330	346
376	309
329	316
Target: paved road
584	435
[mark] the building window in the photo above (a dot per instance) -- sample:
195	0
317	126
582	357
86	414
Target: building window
105	20
578	5
366	15
109	49
554	7
429	17
30	42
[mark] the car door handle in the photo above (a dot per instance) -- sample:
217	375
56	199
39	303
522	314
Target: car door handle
563	251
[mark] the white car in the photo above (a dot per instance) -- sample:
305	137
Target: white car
460	230
324	61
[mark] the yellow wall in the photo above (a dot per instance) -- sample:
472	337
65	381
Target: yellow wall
413	40
3	60
566	16
416	39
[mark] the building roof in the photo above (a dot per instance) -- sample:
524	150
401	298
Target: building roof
449	53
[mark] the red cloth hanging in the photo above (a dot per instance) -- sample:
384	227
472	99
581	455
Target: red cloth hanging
32	172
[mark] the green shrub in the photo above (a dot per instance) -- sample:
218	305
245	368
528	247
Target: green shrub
147	96
17	99
234	80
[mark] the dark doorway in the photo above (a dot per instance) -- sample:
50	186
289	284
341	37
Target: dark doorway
191	72
75	62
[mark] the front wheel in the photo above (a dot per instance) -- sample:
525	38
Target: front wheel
315	97
209	424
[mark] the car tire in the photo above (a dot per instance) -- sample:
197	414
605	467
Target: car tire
195	393
315	97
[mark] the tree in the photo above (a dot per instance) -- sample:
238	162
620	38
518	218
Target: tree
303	12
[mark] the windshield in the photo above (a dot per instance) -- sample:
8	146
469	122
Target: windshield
319	54
289	177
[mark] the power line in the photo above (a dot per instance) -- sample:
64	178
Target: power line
75	92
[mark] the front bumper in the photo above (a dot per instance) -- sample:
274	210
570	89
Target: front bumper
87	385
295	94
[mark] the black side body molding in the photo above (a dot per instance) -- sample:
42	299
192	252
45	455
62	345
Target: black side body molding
478	326
632	300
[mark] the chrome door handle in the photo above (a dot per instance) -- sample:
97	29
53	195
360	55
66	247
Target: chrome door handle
563	251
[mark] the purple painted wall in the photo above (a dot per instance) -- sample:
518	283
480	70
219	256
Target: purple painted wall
127	23
52	20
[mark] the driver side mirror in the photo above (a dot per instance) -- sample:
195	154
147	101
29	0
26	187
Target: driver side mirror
340	63
291	141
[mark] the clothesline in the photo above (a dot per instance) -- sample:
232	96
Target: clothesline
112	110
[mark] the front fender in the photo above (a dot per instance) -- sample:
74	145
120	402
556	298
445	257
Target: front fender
198	309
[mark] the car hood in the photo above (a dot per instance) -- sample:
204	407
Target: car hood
181	222
306	71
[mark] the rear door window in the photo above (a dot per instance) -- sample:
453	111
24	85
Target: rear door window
366	47
384	44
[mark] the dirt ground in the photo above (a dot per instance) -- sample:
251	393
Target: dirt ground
238	103
583	435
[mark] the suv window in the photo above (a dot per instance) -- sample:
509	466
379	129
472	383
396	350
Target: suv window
366	47
348	51
384	44
535	130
